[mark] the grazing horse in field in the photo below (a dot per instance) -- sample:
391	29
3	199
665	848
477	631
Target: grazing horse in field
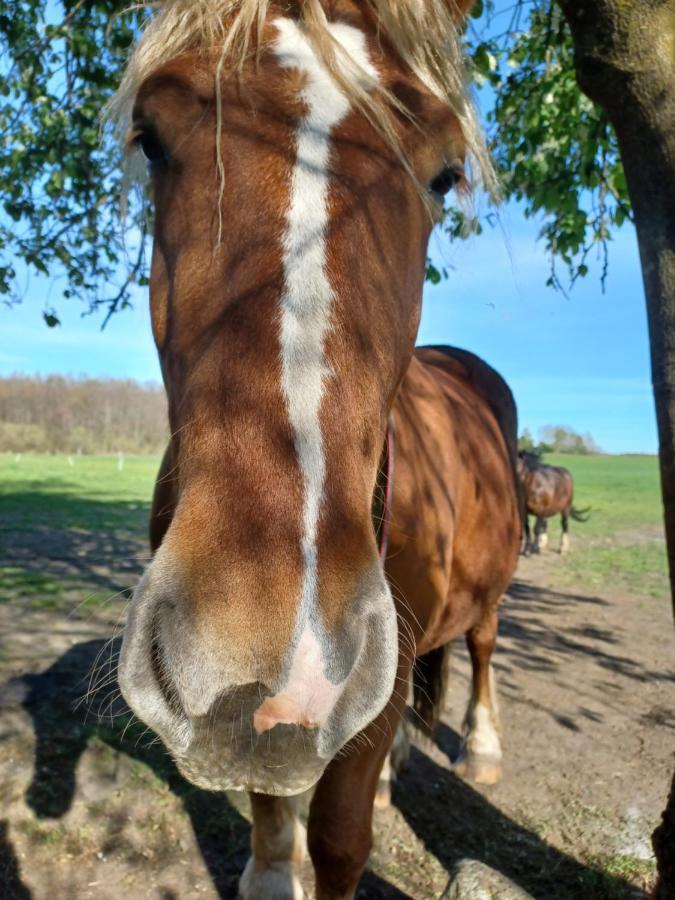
548	491
299	154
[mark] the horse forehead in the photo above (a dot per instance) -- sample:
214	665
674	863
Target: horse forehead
294	50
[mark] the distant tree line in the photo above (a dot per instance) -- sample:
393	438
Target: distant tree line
557	439
81	415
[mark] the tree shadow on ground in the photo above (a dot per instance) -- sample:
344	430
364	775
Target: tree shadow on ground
57	539
454	822
451	819
534	644
11	885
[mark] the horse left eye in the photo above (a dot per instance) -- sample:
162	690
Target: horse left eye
446	179
152	148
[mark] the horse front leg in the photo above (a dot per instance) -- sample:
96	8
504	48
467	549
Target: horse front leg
480	758
278	845
528	548
540	534
340	818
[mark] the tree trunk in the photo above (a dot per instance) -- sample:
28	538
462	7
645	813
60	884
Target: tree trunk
625	62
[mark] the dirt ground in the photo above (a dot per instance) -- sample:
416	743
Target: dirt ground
93	808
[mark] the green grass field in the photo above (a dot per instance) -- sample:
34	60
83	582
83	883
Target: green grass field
39	489
77	513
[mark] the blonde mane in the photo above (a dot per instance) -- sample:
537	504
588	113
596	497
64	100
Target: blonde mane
422	33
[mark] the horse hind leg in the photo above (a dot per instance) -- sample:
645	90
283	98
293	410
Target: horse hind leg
480	757
565	537
279	847
394	763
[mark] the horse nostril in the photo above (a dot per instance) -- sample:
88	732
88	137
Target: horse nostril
160	670
281	711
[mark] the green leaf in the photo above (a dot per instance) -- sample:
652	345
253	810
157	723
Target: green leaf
432	273
477	9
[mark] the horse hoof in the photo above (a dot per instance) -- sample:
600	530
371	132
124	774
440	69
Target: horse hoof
479	769
277	882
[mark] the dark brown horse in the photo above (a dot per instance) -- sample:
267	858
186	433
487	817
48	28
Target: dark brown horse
298	158
548	491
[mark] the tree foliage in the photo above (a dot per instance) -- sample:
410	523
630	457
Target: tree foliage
81	415
555	151
563	439
60	183
557	439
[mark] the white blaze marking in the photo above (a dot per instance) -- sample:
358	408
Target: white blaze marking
307	297
308	697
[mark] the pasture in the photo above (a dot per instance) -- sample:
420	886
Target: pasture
92	806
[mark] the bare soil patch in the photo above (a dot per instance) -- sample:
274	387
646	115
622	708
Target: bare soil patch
93	807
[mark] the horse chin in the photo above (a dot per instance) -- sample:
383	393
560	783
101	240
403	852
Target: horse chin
221	755
215	773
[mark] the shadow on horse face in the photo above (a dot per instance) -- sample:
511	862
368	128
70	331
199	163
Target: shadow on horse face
284	310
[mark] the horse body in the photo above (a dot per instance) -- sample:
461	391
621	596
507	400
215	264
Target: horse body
453	476
549	491
449	560
264	643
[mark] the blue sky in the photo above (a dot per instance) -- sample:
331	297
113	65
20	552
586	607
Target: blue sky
580	361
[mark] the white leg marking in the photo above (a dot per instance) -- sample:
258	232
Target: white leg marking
481	753
276	882
394	763
564	542
400	749
481	737
542	540
481	724
279	848
307	297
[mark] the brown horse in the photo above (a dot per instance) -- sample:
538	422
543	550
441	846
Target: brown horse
298	156
548	491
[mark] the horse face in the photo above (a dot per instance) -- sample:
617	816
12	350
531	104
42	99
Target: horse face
285	294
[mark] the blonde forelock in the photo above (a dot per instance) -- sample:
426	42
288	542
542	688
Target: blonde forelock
422	32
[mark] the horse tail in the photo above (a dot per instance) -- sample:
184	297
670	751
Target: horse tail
430	680
580	515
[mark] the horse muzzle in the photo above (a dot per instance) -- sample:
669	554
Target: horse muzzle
269	726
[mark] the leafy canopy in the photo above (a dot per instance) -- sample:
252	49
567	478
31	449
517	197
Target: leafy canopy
555	151
60	182
60	186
